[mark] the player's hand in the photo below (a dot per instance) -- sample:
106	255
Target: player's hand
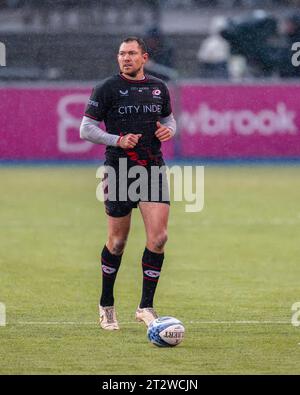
129	140
163	133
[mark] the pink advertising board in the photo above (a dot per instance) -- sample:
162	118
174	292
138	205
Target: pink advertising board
43	123
216	121
239	121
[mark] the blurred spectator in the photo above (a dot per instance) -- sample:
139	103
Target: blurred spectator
214	52
14	3
160	51
161	55
253	37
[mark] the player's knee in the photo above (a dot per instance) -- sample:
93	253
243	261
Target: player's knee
117	245
160	240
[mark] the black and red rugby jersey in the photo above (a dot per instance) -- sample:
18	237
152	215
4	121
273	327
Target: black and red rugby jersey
131	106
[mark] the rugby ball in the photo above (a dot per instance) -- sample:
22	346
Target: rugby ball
165	332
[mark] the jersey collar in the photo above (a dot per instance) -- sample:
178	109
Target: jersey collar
133	81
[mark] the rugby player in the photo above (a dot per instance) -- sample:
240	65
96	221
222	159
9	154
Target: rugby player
137	114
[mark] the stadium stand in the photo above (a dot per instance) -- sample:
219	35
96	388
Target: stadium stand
46	41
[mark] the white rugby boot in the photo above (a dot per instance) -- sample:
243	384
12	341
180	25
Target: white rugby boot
108	318
146	315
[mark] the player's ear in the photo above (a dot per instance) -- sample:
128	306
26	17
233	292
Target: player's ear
145	56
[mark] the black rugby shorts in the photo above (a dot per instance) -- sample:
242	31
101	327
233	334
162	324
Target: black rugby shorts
125	186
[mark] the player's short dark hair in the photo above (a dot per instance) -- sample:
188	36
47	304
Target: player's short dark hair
139	40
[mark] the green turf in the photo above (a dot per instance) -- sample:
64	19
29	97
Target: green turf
237	260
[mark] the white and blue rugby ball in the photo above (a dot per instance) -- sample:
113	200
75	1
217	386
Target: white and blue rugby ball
165	332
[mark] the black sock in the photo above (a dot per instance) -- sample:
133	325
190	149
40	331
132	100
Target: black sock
110	266
151	263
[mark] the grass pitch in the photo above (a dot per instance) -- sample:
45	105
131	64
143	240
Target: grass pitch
231	274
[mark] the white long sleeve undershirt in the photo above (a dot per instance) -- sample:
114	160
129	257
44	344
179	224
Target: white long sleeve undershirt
169	122
90	131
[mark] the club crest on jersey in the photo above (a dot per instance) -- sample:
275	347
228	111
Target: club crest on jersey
156	92
124	93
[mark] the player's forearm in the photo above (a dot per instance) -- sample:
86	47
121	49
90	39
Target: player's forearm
90	131
169	122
